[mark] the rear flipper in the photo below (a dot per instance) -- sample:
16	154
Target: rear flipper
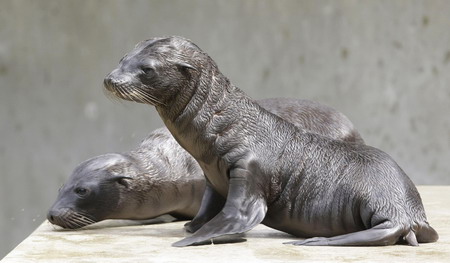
426	234
243	210
380	235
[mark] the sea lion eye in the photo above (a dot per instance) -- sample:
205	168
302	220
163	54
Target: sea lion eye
81	191
147	69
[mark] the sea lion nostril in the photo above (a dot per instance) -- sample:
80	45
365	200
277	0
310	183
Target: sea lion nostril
107	81
51	217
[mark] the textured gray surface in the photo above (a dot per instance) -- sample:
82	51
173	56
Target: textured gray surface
385	64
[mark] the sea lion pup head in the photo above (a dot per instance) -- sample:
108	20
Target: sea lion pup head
94	191
156	71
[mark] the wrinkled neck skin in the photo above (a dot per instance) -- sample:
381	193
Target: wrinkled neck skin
202	112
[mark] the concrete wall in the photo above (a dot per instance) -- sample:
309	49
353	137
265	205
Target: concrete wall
385	64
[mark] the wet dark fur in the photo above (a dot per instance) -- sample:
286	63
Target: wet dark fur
266	169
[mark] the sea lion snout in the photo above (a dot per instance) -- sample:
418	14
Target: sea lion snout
108	82
116	79
68	218
124	86
55	216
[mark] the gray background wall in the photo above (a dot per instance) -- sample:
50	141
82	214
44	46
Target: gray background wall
385	64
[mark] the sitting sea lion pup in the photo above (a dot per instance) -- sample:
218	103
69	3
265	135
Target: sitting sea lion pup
266	169
160	177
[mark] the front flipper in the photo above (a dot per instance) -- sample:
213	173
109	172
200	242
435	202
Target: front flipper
212	203
243	210
380	235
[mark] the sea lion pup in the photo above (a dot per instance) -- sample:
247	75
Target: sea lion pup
156	178
266	169
160	177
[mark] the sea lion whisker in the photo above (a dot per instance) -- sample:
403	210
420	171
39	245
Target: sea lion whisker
83	220
87	219
153	98
122	92
138	94
69	224
80	222
71	219
149	98
66	214
125	94
84	216
109	94
76	225
143	97
76	221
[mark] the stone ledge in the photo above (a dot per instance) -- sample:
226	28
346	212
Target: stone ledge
130	241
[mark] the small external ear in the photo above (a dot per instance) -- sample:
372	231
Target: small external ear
121	180
185	65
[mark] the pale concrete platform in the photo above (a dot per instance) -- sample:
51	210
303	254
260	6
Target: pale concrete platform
128	241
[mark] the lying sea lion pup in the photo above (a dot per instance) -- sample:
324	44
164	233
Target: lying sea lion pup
261	168
160	177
